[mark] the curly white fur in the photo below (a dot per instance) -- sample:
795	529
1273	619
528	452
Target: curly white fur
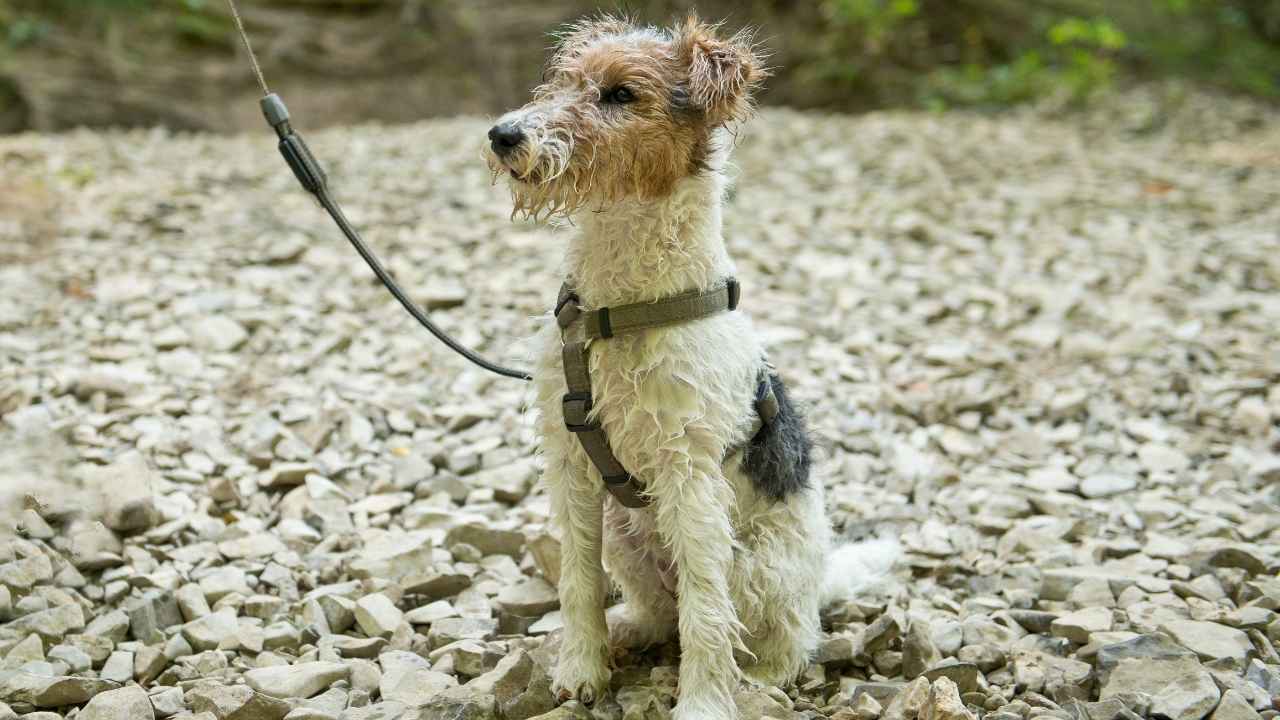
740	574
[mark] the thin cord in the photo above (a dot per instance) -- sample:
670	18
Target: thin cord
371	260
307	169
244	36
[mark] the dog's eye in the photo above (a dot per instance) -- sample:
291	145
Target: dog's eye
619	95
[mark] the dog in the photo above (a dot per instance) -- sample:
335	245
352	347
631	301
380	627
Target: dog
628	137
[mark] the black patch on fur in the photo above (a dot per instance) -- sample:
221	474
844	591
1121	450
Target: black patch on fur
778	458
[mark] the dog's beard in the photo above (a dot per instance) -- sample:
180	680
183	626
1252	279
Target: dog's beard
543	178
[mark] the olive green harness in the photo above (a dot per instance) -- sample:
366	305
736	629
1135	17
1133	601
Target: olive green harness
580	327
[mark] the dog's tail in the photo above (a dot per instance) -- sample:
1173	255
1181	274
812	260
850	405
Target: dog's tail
854	568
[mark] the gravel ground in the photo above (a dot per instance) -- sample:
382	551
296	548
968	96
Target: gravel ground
1040	350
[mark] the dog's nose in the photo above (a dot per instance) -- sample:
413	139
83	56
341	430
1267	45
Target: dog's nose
505	137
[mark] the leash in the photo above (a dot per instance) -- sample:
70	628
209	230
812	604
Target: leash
313	179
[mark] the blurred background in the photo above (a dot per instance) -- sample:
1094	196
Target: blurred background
177	63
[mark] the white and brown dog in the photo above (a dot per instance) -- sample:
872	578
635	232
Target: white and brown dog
628	137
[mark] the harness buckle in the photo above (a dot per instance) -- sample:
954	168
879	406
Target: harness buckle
767	407
567	310
577	407
735	292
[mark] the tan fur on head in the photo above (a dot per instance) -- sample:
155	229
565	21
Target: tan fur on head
723	74
583	147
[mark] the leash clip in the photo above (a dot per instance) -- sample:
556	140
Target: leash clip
567	311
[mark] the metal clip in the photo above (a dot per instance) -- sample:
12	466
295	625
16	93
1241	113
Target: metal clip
567	311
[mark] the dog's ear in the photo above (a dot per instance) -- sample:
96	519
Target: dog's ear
722	74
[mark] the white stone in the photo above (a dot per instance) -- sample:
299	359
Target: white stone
1105	485
377	616
209	631
1210	640
127	703
1189	697
217	333
408	678
1079	625
126	489
303	680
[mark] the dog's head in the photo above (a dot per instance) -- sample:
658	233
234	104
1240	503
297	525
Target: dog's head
624	112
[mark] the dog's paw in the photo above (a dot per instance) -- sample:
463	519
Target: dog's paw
629	631
584	681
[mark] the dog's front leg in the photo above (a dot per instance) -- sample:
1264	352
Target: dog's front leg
692	500
583	668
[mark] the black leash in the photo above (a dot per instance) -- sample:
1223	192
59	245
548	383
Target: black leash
308	171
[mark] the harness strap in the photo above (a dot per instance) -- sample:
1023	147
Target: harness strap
577	410
609	322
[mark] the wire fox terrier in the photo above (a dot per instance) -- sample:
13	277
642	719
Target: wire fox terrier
724	536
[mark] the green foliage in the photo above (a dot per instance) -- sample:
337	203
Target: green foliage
1075	55
1235	43
1018	81
23	30
875	18
30	22
1000	52
838	53
1099	33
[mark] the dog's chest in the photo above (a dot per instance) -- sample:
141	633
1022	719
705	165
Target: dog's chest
636	386
633	534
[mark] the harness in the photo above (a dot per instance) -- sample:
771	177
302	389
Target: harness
579	328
